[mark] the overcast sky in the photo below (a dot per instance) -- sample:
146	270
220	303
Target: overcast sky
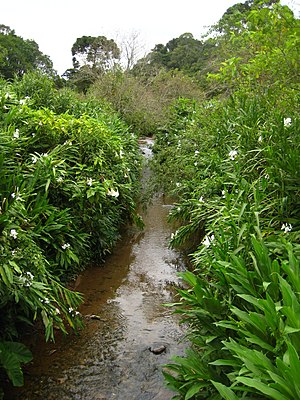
56	24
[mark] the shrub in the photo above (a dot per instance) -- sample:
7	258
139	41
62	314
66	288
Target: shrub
232	166
67	184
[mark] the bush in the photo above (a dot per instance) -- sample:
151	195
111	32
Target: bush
68	181
144	103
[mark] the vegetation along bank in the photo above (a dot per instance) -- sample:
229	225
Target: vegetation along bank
224	112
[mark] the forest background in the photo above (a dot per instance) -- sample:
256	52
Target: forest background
224	111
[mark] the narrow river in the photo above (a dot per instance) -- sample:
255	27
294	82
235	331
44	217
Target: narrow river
124	320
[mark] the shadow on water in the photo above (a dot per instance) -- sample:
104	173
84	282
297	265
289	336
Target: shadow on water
124	317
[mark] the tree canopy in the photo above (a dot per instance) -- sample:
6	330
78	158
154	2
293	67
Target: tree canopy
184	53
92	57
98	52
18	55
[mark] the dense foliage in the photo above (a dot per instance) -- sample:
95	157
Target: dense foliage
225	114
145	105
69	180
233	164
18	56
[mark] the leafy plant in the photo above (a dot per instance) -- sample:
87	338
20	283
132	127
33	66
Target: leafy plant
68	181
12	354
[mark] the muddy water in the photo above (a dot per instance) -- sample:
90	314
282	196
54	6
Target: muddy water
124	319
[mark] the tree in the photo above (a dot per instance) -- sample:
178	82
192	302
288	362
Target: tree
183	53
265	53
18	56
92	57
235	17
99	53
131	50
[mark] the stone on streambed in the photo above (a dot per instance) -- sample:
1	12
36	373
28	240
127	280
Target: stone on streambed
158	350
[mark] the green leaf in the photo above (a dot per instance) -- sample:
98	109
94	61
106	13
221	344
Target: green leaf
12	354
193	390
289	329
221	362
189	277
262	387
9	273
225	391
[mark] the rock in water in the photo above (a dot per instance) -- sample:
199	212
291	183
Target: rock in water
157	350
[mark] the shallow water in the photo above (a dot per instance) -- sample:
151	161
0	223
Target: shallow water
124	318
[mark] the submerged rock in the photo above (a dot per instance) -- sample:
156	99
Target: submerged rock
158	350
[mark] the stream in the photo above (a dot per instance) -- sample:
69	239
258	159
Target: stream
124	322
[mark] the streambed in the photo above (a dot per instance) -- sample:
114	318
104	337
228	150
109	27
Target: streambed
124	320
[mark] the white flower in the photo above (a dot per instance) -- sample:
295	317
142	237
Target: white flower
57	311
13	233
71	310
195	163
22	102
196	152
233	154
46	301
27	279
178	184
260	138
207	240
121	153
287	122
286	228
201	200
60	179
173	235
44	154
16	134
66	246
16	196
34	159
113	193
89	181
29	275
223	194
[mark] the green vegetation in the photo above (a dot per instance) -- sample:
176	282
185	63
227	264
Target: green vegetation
233	164
224	111
69	180
18	56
